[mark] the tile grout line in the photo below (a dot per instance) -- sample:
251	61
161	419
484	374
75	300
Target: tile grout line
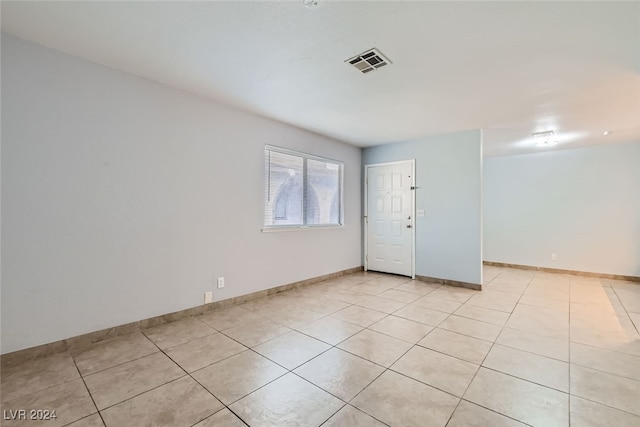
190	376
88	391
385	369
569	352
571	364
606	405
253	351
413	346
607	372
144	330
365	387
291	371
6	402
325	391
524	379
493	343
488	409
480	365
637	327
119	364
378	376
335	346
357	409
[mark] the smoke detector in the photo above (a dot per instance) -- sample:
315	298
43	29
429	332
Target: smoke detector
369	60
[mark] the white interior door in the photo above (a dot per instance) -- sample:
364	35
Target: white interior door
389	231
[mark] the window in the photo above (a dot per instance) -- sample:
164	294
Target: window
301	190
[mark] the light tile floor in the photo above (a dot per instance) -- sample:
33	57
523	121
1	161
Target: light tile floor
368	349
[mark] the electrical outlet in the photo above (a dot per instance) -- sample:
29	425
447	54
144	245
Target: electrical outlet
420	213
220	282
554	257
208	297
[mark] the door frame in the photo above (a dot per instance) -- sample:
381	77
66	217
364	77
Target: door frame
413	211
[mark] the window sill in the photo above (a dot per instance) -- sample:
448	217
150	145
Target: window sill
302	228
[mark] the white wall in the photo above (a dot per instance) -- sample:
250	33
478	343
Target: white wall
449	181
582	204
123	199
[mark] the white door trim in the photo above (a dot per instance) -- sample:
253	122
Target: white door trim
413	211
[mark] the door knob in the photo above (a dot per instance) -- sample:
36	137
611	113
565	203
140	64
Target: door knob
408	225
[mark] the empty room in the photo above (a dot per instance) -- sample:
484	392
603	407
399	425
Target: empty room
320	213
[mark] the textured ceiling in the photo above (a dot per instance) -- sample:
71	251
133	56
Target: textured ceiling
510	68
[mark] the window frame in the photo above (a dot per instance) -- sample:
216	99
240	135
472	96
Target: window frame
305	157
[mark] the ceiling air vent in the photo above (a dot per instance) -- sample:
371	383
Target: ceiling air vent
367	61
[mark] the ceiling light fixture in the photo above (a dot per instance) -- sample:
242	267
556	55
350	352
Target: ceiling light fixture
606	132
544	139
310	4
